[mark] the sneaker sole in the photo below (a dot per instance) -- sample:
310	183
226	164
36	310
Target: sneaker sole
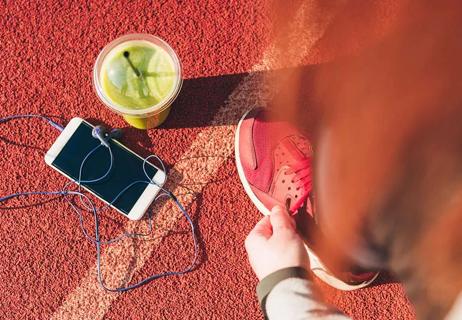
317	267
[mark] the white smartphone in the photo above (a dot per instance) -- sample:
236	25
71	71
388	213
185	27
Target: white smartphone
76	141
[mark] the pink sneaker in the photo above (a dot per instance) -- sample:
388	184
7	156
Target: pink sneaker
273	160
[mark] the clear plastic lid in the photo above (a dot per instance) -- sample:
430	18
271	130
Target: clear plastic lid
137	75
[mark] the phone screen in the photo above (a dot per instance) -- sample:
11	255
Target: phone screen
127	168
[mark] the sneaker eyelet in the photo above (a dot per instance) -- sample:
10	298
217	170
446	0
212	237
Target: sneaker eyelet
283	181
296	196
290	188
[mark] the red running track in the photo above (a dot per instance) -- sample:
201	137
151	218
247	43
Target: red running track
48	50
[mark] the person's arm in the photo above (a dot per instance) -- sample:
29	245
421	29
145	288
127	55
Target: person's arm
279	259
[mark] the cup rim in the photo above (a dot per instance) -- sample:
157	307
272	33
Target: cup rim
151	110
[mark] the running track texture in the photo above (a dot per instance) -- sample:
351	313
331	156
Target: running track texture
229	54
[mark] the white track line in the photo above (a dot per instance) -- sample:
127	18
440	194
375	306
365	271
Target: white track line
88	300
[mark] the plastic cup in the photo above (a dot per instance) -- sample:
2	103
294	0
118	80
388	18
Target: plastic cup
138	76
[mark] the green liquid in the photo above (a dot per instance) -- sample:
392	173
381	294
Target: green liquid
155	81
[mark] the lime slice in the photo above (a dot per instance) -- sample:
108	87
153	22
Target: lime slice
161	74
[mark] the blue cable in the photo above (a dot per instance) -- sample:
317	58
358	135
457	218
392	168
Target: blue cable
80	181
96	240
26	116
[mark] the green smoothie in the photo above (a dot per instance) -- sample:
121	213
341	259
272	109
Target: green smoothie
139	79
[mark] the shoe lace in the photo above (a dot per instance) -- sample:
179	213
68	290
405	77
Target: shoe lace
302	179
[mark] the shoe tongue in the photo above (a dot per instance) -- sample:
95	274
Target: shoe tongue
294	149
289	146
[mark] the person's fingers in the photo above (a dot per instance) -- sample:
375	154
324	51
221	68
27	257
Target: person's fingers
261	231
280	219
263	228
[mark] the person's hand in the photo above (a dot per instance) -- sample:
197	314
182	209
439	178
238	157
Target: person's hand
274	244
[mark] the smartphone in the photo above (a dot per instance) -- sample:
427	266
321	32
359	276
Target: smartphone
74	144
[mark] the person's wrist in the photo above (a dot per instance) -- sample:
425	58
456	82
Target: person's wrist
266	284
281	265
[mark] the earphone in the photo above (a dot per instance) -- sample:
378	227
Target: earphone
104	136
